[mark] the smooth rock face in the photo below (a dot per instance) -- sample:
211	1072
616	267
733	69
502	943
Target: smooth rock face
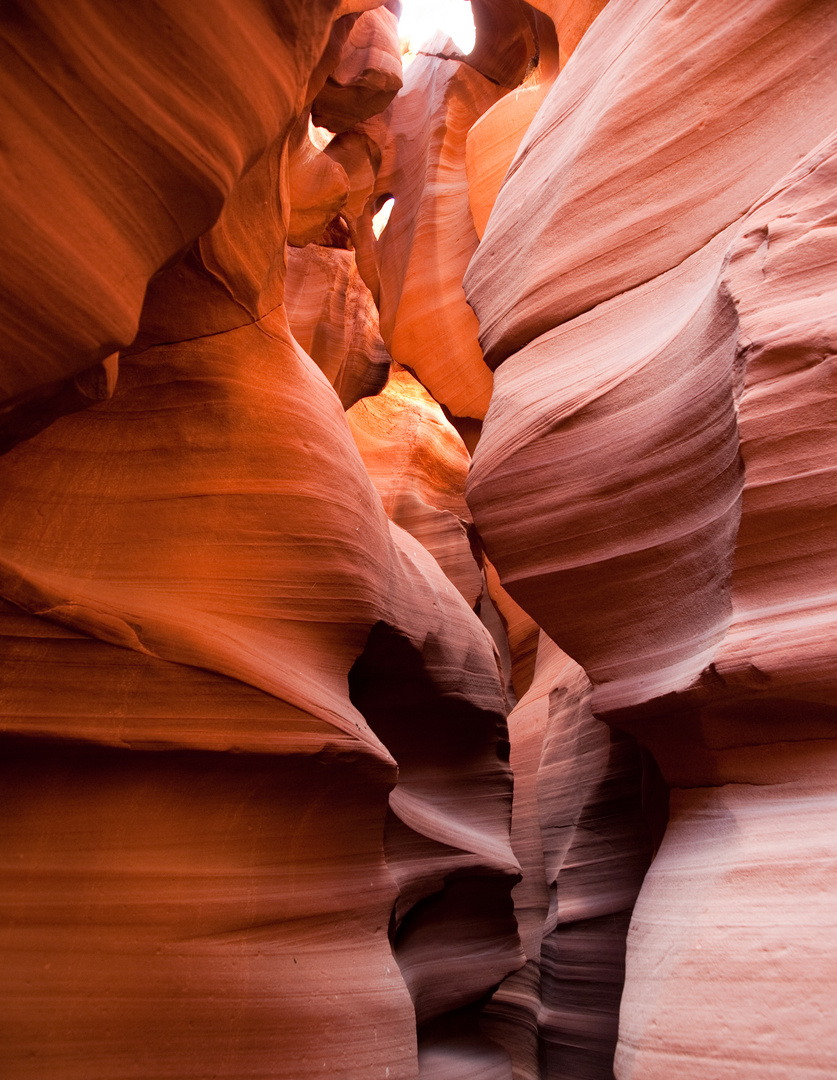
424	250
367	76
583	844
173	913
333	317
117	159
418	464
781	278
653	140
572	19
174	588
658	422
309	766
577	415
744	883
204	612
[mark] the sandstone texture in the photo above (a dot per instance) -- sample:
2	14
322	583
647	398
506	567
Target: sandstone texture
206	611
658	419
417	638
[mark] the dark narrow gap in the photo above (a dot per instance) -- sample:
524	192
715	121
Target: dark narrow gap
453	931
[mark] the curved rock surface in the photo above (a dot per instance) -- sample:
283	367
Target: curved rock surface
333	317
662	118
118	159
573	414
584	845
658	421
176	525
418	464
367	76
258	742
425	248
207	541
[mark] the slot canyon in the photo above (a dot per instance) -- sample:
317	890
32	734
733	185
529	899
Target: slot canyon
418	635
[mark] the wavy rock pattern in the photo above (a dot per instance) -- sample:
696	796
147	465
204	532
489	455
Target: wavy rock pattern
207	541
333	317
418	464
176	526
663	117
367	76
424	251
629	551
143	148
256	760
659	422
174	912
579	833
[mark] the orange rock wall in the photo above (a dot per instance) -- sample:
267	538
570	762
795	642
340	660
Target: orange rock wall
373	608
221	858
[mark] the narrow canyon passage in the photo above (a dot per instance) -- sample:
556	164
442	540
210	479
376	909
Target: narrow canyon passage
418	470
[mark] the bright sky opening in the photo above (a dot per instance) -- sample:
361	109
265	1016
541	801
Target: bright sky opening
420	19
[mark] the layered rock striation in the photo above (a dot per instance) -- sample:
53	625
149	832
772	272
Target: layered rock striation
417	645
209	621
661	367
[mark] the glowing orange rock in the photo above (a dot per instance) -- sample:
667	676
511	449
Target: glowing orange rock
418	463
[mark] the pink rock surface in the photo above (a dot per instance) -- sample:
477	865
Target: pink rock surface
257	772
731	955
653	140
781	278
583	845
601	558
658	422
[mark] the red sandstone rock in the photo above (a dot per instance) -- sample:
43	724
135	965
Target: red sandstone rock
216	649
239	468
319	188
637	509
494	138
334	319
118	159
506	39
583	846
209	543
733	936
640	156
572	19
425	248
661	431
174	912
419	464
521	631
367	76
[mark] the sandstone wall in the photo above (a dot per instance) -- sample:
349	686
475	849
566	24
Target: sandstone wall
417	646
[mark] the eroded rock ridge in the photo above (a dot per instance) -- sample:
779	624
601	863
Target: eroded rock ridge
417	641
